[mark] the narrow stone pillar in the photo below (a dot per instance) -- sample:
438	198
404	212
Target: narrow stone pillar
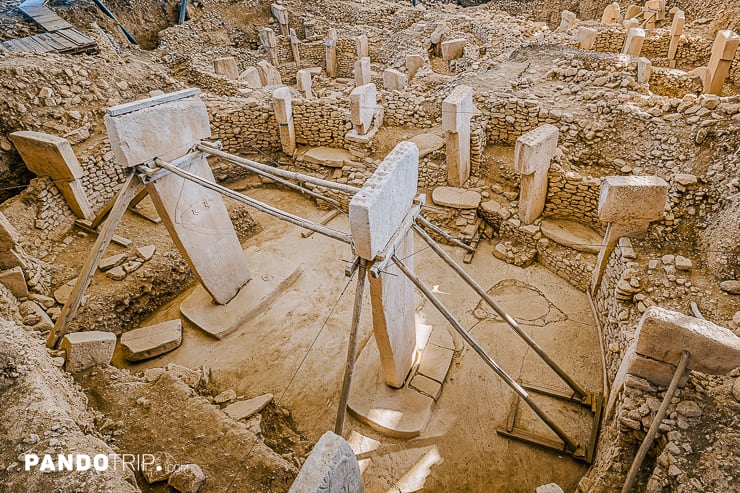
227	67
723	53
282	102
457	110
394	80
281	15
52	156
436	37
375	213
330	45
362	71
632	11
679	19
628	204
629	24
611	14
361	44
295	47
195	217
269	76
644	70
414	63
303	83
633	42
453	48
586	38
252	77
532	154
269	43
567	20
362	102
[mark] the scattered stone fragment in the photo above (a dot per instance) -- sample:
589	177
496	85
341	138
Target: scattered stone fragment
549	488
189	376
15	281
225	396
64	291
131	266
45	301
736	389
153	374
146	252
116	273
683	263
732	286
690	409
113	261
244	409
155	340
88	349
187	478
160	470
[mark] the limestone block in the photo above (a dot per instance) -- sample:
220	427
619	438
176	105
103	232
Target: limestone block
15	281
632	11
362	102
330	53
151	129
414	63
330	468
88	349
244	409
394	80
303	83
567	20
362	71
280	13
187	478
251	76
679	19
644	70
457	198
629	24
663	334
47	155
632	199
532	196
586	37
611	13
439	30
457	109
295	47
723	54
154	340
534	150
75	197
572	235
379	207
453	48
269	43
269	75
282	104
227	67
361	45
633	43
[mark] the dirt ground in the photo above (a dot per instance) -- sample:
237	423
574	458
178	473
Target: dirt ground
460	450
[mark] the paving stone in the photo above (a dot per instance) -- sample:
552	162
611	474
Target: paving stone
151	341
457	198
572	234
329	156
244	409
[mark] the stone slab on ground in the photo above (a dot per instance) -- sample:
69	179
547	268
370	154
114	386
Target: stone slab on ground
154	340
113	261
404	412
330	468
15	281
62	292
572	234
457	198
427	143
328	156
244	409
88	349
274	275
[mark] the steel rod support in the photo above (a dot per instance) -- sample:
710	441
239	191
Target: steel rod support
501	313
653	430
569	444
291	175
426	222
260	206
349	369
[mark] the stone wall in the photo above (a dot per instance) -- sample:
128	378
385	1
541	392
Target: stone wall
102	178
572	195
406	108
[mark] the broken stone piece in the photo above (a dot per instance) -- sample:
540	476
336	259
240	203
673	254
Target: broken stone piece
88	349
116	273
331	467
161	469
113	261
225	396
131	266
155	340
189	376
731	286
244	409
64	291
146	252
15	281
683	263
457	198
187	478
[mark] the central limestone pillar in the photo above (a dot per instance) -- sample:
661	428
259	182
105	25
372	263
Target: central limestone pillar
457	110
532	154
375	213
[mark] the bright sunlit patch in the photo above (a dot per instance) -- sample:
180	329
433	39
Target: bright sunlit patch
435	290
415	477
387	418
361	444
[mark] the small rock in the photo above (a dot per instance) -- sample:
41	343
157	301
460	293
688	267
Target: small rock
683	263
731	286
458	198
153	374
112	261
61	295
225	396
161	469
45	301
146	252
244	409
187	478
116	273
690	409
736	389
190	377
131	266
549	488
154	340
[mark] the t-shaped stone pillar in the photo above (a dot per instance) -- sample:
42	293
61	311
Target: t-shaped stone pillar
330	46
586	37
361	45
375	213
269	75
303	83
52	156
167	127
394	80
362	71
633	42
295	44
457	110
679	19
362	101
567	20
281	15
227	67
269	43
611	14
628	204
532	154
723	54
282	102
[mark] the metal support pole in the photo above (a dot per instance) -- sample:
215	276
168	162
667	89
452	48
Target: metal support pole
569	444
260	206
351	350
426	222
130	188
648	441
501	313
291	175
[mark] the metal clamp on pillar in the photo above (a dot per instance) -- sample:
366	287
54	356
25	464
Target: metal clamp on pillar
385	257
